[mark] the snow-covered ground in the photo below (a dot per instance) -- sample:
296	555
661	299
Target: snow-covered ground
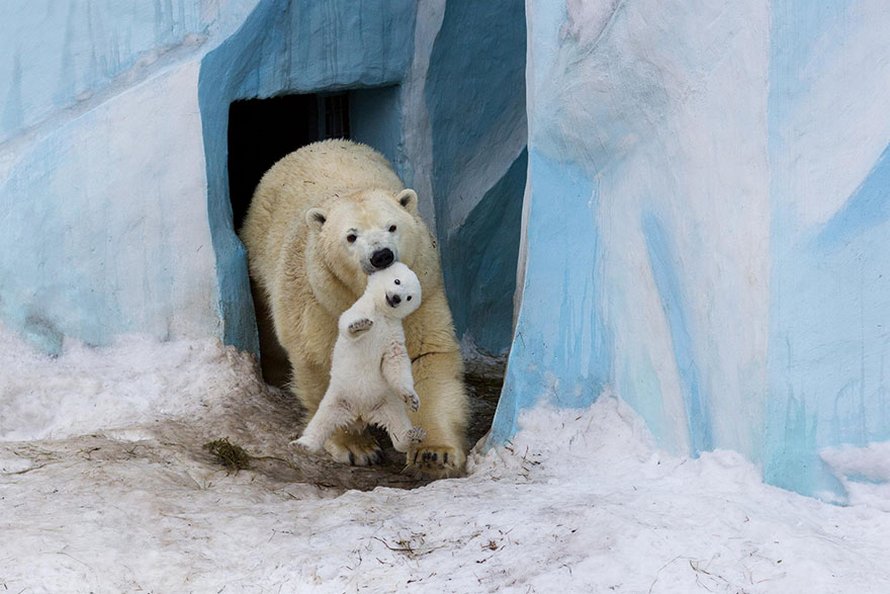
104	487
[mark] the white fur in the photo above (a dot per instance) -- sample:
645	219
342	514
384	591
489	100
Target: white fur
371	379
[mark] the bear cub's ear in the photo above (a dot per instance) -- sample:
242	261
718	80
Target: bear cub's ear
315	217
407	199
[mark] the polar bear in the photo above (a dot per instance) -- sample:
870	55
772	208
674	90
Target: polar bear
321	220
371	381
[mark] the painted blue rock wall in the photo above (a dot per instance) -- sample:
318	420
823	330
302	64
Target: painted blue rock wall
707	224
475	98
287	47
829	133
102	183
59	55
113	156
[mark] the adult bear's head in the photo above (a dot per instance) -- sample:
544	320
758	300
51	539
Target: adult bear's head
362	233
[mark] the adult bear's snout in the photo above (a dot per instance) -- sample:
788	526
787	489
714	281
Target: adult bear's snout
382	258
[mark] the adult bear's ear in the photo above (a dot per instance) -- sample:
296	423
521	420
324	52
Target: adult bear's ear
315	218
407	199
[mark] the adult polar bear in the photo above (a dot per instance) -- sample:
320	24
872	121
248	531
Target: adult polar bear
322	219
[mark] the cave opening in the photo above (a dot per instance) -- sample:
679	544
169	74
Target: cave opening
262	131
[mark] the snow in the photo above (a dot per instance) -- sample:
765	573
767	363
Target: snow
46	398
104	487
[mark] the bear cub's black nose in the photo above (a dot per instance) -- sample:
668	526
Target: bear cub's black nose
396	299
382	258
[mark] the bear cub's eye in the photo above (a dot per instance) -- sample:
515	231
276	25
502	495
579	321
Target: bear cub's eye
351	238
397	281
392	229
409	298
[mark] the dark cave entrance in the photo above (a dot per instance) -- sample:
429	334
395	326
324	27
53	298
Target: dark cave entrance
262	131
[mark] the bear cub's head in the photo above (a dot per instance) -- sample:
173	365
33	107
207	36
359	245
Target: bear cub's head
396	291
366	232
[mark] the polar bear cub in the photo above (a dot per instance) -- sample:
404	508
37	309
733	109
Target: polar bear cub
371	379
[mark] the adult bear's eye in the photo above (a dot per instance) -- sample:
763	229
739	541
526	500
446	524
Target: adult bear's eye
392	229
397	281
351	238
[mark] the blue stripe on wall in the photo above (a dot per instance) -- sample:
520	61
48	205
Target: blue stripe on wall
829	283
562	348
663	262
868	207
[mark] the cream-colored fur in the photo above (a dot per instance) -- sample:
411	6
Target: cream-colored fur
297	235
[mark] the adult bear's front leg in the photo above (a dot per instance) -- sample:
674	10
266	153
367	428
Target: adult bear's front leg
438	379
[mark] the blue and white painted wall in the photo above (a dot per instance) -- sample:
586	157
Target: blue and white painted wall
707	225
829	139
102	179
113	178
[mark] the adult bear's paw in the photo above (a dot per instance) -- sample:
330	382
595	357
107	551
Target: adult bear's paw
357	449
431	461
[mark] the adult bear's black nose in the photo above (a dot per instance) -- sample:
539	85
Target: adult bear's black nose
382	258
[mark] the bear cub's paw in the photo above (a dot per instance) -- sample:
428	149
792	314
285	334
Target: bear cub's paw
411	399
304	443
359	326
416	434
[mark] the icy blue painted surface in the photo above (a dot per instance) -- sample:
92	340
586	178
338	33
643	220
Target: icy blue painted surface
624	175
480	257
113	157
675	304
717	173
112	162
562	346
288	47
829	133
59	54
475	97
101	177
867	208
375	118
